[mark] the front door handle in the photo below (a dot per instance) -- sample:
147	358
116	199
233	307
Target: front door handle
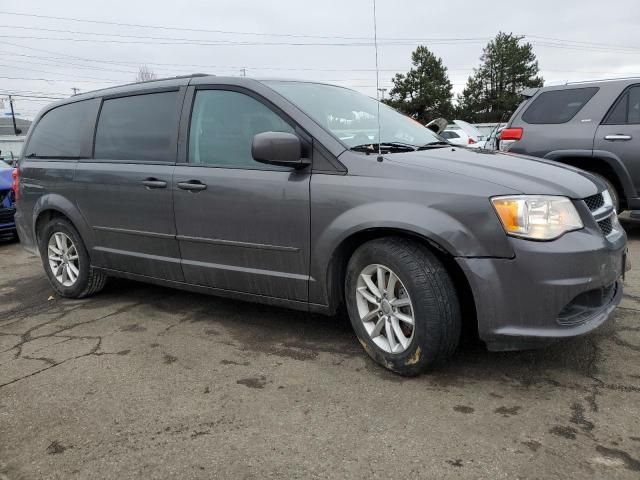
154	183
193	185
617	136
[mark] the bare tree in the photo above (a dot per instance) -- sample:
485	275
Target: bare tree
145	74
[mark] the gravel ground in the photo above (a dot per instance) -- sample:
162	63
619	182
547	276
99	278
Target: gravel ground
147	382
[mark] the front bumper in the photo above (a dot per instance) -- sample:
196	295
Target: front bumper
549	290
7	222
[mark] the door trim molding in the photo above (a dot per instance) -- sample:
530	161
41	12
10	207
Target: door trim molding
143	233
233	243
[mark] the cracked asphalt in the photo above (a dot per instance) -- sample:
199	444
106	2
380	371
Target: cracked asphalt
147	382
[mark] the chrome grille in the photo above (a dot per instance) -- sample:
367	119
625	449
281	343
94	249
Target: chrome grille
594	202
601	208
606	226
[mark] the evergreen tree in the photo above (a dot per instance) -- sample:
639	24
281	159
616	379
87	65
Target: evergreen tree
507	67
424	92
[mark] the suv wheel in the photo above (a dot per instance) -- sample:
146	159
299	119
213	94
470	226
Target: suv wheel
402	304
615	197
66	261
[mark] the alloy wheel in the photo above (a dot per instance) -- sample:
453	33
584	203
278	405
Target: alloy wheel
63	259
385	308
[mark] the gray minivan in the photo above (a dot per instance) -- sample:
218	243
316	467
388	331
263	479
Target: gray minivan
313	196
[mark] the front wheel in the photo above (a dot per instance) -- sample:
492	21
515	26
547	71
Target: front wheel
402	304
66	261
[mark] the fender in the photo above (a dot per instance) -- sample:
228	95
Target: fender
54	201
611	159
452	235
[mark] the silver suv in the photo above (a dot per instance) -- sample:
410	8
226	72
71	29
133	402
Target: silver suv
591	125
312	196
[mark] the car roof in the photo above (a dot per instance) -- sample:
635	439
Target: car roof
621	82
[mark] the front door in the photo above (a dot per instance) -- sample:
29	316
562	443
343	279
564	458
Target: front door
620	134
241	225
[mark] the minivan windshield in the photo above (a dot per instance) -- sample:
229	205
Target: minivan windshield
353	117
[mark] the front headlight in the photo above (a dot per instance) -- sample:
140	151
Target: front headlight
537	217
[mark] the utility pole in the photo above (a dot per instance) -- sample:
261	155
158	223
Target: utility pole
243	72
75	90
16	130
382	90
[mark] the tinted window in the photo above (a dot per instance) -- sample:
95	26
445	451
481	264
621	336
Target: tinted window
141	127
558	106
223	124
61	132
449	134
627	108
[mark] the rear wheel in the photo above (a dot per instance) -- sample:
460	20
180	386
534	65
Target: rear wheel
66	261
402	305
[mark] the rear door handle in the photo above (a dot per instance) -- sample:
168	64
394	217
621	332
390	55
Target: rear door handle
193	185
617	136
154	183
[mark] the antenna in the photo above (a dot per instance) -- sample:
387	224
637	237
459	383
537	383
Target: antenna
375	42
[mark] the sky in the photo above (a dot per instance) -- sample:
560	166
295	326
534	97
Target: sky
328	40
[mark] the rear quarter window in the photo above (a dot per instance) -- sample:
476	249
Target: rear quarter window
61	132
558	106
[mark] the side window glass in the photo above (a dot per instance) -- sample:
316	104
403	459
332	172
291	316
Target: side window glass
618	116
223	124
626	109
61	131
558	106
139	127
634	105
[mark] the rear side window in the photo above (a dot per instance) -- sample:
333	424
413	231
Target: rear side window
448	134
140	127
62	131
558	106
626	109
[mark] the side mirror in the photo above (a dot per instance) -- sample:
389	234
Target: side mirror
278	148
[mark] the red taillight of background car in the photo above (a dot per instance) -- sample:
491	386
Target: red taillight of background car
471	141
15	184
511	134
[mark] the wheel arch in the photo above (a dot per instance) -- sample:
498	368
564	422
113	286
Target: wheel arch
602	163
53	205
336	270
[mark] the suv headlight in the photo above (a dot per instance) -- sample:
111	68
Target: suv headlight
537	217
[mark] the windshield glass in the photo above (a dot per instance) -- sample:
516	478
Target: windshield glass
3	165
353	117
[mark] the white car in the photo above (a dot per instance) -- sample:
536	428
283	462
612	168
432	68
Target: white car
463	134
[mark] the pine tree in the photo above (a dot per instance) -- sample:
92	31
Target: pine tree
507	67
424	92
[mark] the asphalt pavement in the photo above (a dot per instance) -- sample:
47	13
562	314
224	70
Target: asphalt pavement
147	382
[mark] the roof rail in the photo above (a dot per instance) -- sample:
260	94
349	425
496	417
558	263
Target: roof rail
602	80
178	77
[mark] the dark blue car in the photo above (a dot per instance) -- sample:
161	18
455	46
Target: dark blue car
7	201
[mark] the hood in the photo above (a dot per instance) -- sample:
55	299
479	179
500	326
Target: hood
527	175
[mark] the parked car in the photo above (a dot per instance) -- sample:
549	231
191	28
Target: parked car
591	125
273	191
7	200
463	134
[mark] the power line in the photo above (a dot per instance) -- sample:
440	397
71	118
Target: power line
147	37
200	30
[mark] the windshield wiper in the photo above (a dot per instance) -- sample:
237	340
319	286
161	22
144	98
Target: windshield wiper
387	146
436	144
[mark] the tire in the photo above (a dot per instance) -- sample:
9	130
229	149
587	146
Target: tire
87	280
432	298
615	196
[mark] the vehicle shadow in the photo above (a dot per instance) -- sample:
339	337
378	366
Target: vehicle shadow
302	336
